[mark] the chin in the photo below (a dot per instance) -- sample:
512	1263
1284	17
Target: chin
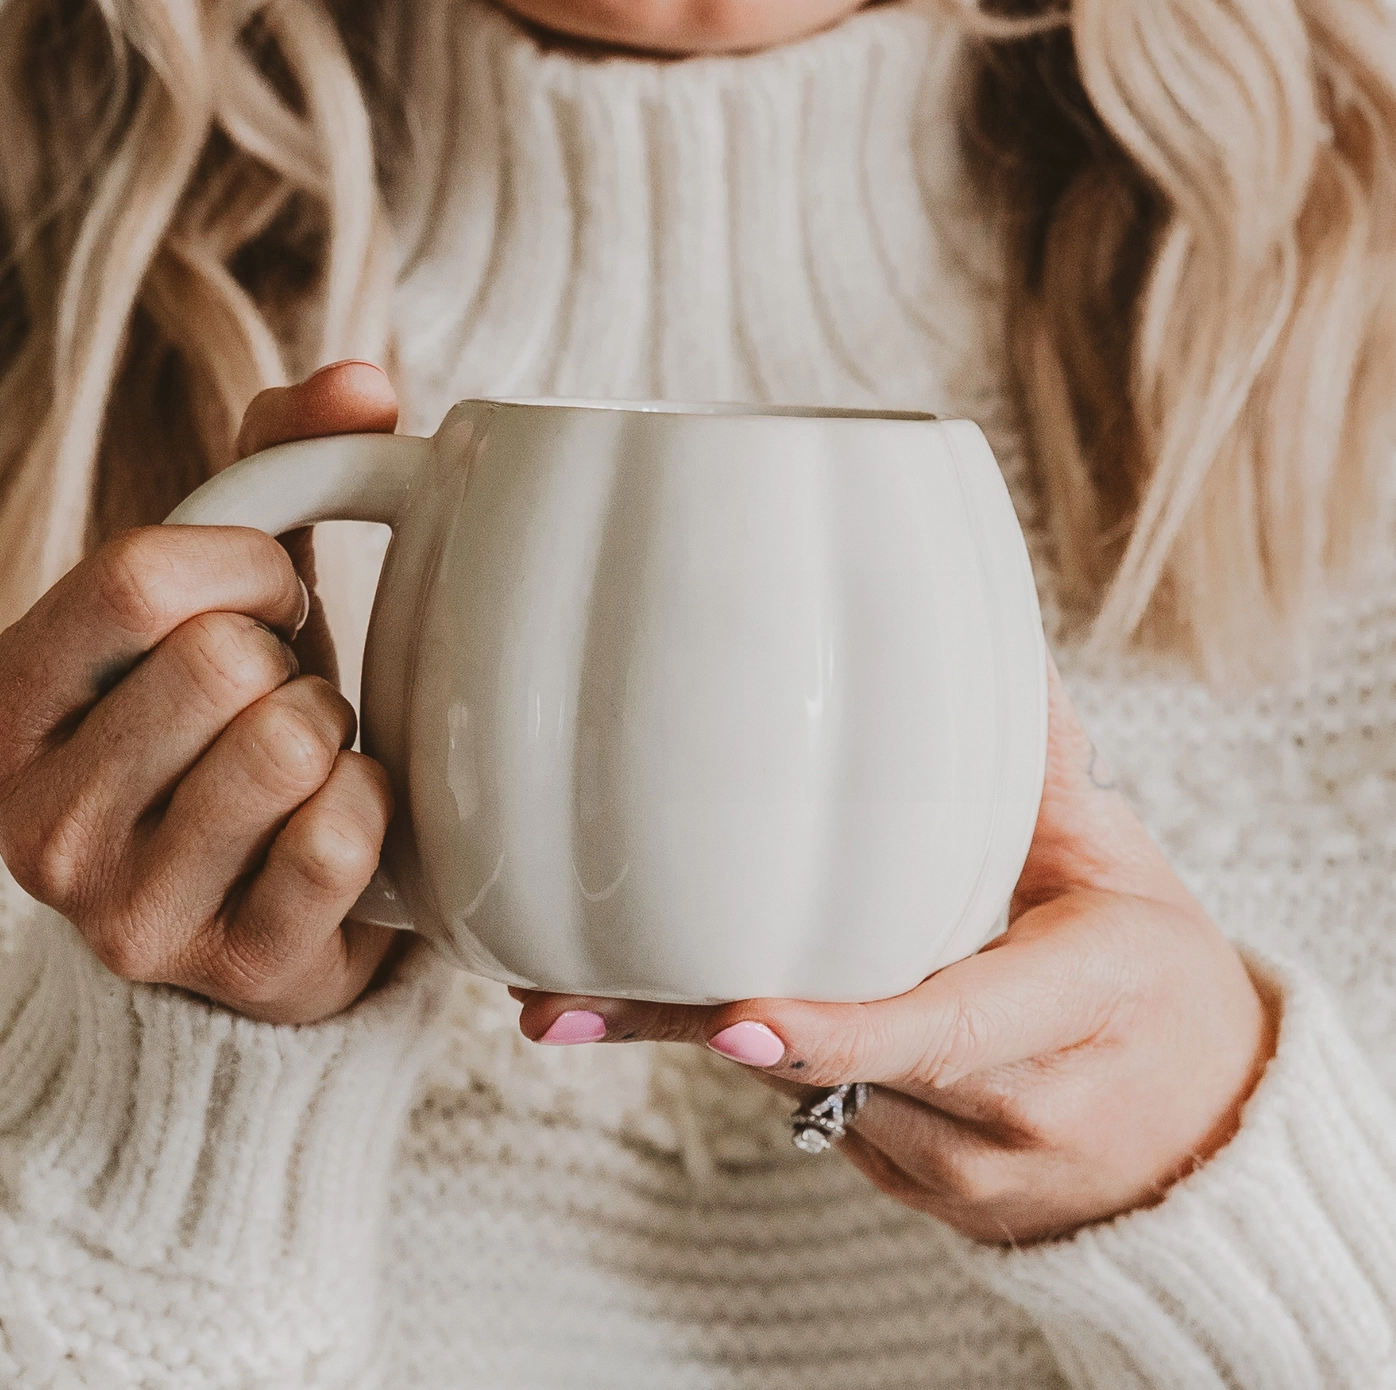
677	27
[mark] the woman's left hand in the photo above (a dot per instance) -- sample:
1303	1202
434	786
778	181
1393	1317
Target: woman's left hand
1088	1059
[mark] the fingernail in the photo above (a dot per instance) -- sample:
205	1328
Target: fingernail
345	362
752	1044
575	1026
293	665
305	607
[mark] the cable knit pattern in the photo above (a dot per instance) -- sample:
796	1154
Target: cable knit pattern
715	230
211	1190
1271	1269
191	1199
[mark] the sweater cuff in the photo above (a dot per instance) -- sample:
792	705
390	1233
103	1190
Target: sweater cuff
1273	1266
171	1134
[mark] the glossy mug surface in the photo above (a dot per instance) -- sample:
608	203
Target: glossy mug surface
688	703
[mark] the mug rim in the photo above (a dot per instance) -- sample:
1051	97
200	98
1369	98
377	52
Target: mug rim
727	410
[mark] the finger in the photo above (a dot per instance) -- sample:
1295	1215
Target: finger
560	1019
272	759
883	1171
987	1185
89	630
794	1044
1060	977
343	398
1056	982
314	643
288	956
133	748
959	1169
984	1192
1086	835
950	1160
129	595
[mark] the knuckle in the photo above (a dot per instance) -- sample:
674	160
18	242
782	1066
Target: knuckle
839	1057
49	859
378	791
135	581
1039	1118
228	658
60	842
333	854
958	1037
976	1179
131	953
296	752
241	972
326	703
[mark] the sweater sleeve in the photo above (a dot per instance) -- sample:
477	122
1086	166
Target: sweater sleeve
188	1197
1273	1267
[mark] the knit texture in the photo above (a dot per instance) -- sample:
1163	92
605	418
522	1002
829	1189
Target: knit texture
413	1195
1270	1270
189	1197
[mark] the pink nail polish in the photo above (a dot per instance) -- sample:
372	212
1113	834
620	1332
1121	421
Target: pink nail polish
752	1044
575	1026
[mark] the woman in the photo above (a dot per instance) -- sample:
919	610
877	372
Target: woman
1119	1150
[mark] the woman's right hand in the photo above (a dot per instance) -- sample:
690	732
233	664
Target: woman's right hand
172	782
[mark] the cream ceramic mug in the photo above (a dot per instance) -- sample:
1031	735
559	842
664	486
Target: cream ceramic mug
687	703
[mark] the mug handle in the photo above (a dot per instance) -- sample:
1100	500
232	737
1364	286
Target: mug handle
343	477
346	477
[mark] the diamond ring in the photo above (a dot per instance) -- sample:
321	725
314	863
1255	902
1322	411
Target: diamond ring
816	1125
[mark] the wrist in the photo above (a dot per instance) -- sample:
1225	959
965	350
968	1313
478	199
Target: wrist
174	1132
1257	1034
1263	1035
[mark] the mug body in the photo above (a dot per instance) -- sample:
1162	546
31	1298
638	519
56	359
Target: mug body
707	703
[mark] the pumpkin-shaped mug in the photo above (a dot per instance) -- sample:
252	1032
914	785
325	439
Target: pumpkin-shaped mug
687	703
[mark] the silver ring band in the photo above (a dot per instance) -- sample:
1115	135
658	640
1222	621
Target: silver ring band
816	1125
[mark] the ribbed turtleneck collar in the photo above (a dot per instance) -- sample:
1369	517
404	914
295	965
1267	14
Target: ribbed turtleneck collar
760	228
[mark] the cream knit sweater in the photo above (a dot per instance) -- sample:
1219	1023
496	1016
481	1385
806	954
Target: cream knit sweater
411	1194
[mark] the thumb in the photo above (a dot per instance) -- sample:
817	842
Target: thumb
1087	836
1049	985
343	398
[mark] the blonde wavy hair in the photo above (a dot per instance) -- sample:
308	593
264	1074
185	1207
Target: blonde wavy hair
1201	203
